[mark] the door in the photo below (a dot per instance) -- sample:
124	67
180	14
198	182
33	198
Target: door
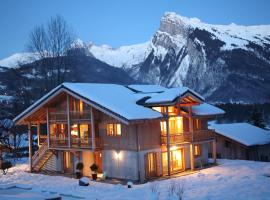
98	160
67	162
177	161
150	165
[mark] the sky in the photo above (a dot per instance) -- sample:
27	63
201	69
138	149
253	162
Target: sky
117	22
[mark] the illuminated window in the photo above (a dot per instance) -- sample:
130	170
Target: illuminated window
171	110
197	150
159	109
163	127
74	130
176	125
114	129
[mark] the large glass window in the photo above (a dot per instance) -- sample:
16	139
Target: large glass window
58	131
176	125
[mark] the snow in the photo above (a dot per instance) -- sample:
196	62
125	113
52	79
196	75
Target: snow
124	56
148	88
116	98
18	59
231	179
206	109
243	133
234	36
170	94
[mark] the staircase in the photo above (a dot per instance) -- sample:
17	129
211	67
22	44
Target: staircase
41	156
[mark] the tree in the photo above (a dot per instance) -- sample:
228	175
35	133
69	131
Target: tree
50	43
11	136
256	118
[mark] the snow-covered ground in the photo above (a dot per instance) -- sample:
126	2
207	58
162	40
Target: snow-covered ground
230	180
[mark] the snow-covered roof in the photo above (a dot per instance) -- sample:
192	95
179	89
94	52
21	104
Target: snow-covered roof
207	109
243	133
147	88
170	94
116	98
122	101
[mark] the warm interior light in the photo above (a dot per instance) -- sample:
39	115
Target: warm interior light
81	105
157	109
173	148
74	129
163	127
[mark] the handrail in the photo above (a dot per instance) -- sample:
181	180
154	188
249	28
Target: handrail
41	151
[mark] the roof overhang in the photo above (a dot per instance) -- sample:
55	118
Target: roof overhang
19	120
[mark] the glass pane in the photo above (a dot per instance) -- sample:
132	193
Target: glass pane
118	129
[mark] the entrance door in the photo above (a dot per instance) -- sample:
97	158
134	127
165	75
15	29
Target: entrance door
67	162
177	161
151	165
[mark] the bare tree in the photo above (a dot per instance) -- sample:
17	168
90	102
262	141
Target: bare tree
50	43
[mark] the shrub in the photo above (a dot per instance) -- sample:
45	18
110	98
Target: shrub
5	166
94	168
79	166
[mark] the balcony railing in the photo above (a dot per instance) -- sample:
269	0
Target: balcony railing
74	143
74	115
199	135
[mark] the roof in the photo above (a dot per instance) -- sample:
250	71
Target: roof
122	101
170	94
147	88
115	98
243	133
206	109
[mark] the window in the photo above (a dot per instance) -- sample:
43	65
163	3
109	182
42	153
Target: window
197	124
176	125
197	150
163	127
227	144
114	129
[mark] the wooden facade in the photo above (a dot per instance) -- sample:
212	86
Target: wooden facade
71	129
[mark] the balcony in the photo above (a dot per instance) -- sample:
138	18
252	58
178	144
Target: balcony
74	116
74	143
199	135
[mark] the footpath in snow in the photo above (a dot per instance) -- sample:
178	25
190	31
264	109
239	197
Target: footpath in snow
232	179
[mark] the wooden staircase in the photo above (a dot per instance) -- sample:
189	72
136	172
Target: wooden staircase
41	156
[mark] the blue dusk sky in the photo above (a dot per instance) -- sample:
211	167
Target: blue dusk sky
118	22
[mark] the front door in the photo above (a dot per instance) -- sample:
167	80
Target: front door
67	162
151	165
177	161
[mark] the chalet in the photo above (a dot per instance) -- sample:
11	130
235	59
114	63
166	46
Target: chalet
134	132
242	141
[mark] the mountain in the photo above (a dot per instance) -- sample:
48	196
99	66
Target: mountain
225	63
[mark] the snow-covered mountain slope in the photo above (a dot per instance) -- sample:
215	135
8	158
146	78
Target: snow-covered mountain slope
125	56
222	62
18	59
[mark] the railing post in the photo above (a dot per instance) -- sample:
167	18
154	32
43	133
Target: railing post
92	128
191	143
30	140
48	126
68	122
168	142
215	151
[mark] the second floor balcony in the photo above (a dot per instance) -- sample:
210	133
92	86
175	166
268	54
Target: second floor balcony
196	136
74	116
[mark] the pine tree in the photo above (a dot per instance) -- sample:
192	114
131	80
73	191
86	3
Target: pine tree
257	118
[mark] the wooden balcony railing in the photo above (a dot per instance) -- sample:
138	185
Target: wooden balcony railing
74	115
74	143
199	135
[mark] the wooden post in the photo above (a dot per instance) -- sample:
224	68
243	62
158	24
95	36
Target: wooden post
48	126
92	129
191	130
215	151
30	140
38	133
68	122
168	142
